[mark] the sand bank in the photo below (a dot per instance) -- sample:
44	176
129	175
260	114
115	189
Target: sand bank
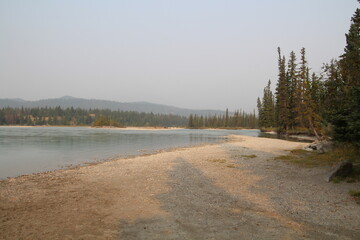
152	128
206	192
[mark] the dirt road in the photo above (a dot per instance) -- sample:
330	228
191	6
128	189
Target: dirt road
233	190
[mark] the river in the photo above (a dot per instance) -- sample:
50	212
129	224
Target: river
26	150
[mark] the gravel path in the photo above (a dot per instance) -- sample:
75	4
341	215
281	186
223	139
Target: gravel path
208	192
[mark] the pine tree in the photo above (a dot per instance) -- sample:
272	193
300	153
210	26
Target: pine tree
350	63
311	117
227	118
282	97
191	121
332	88
268	107
292	80
346	116
301	91
260	113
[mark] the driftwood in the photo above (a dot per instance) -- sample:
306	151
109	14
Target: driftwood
320	146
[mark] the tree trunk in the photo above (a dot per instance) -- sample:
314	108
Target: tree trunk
313	129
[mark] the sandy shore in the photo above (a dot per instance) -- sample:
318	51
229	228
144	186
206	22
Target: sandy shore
152	128
207	192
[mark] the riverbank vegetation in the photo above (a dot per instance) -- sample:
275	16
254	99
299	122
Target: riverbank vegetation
305	158
325	104
106	122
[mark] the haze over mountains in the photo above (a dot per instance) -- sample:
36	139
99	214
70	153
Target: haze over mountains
68	101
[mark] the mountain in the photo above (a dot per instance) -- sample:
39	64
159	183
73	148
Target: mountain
68	101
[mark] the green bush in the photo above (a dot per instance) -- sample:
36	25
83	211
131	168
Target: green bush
106	122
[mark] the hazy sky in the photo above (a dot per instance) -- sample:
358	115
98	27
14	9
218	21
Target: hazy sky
200	54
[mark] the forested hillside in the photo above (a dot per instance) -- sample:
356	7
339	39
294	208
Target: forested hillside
81	117
326	104
77	117
68	102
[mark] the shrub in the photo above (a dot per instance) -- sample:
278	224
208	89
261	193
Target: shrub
106	122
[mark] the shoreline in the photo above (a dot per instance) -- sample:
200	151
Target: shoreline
226	190
122	128
138	153
116	128
142	153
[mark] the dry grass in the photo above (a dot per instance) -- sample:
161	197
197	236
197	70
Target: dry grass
231	166
308	159
355	195
249	156
222	161
217	160
314	159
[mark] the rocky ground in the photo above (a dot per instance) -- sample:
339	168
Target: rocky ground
233	190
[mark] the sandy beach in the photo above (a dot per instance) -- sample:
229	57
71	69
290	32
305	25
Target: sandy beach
151	128
231	190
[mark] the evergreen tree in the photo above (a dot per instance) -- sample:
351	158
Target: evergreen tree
334	97
260	113
292	80
282	97
332	89
347	121
266	108
191	123
227	118
301	91
311	117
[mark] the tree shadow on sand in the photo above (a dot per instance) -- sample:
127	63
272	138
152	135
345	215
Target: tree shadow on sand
198	209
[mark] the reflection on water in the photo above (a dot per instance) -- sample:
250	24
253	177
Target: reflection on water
27	150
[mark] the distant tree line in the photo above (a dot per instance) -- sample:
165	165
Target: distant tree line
317	103
77	117
239	119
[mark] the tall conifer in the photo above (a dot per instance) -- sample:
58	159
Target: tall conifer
347	121
292	80
282	96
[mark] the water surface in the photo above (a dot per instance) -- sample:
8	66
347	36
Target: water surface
25	150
